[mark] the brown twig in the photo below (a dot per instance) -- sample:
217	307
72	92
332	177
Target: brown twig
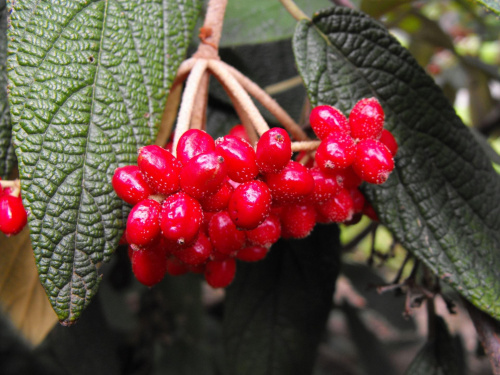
199	116
212	30
305	146
188	98
183	72
220	71
169	115
270	104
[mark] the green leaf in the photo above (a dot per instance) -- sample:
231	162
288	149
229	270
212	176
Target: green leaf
442	202
260	21
441	355
7	156
88	82
276	309
492	5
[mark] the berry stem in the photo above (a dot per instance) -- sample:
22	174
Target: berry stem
169	115
223	74
183	71
305	146
214	20
282	86
188	98
294	10
269	103
199	118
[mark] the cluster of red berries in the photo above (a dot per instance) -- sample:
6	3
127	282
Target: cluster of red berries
13	216
222	200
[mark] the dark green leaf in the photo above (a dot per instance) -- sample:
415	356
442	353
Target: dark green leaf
441	355
89	80
443	200
7	156
492	5
276	309
260	21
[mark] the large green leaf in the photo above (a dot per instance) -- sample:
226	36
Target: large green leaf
260	21
88	82
7	156
443	200
276	309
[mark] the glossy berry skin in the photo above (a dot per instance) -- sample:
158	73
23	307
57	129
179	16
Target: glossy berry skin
143	223
266	233
336	151
326	186
219	274
366	119
274	150
13	216
347	178
175	267
194	142
358	199
203	175
297	221
250	204
149	267
130	185
338	209
325	119
252	253
240	132
181	218
224	235
160	169
219	200
293	183
239	156
196	254
373	162
389	141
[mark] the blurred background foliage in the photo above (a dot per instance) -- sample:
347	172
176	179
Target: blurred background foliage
376	324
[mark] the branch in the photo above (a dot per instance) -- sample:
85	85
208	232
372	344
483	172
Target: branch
211	31
169	115
305	146
220	71
270	104
188	97
199	116
294	10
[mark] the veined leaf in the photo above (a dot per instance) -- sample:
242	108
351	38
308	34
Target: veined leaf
276	309
492	5
88	81
442	202
7	156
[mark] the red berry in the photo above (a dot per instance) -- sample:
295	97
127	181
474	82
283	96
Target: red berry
274	150
240	132
194	142
297	221
373	162
370	212
305	158
181	218
250	204
239	156
219	200
13	216
203	175
198	253
325	186
336	151
220	274
175	267
129	184
252	253
160	169
293	183
143	223
266	233
347	178
389	141
366	119
338	209
224	235
325	119
149	267
358	199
